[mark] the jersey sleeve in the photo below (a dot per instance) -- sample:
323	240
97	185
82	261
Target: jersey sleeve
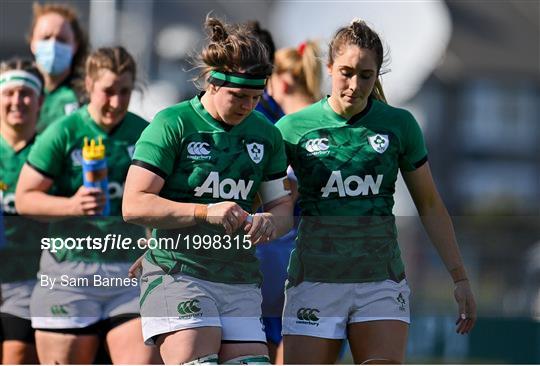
277	166
288	137
48	153
414	153
156	148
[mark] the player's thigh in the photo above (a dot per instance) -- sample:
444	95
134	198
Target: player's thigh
189	344
15	352
59	348
126	345
299	349
234	350
379	341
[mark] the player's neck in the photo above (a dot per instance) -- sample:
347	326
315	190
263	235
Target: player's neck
347	111
53	81
17	136
295	102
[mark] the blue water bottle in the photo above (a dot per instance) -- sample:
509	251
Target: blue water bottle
94	166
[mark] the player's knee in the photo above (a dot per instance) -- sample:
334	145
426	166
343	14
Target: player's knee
381	361
249	360
204	360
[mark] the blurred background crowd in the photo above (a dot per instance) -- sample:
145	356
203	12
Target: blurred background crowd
470	73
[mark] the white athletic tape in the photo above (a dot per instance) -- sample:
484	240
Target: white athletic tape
274	189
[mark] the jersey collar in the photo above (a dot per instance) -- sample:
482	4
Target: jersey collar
357	117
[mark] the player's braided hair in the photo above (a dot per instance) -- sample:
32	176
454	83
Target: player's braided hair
115	59
358	33
27	65
232	48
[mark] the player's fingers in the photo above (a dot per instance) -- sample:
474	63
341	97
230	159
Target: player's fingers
256	227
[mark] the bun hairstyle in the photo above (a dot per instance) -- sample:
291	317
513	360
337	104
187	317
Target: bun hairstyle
232	48
304	64
359	34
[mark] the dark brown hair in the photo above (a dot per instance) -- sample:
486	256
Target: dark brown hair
265	37
232	48
359	34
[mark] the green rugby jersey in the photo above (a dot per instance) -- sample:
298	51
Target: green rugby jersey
58	103
203	161
20	256
57	154
346	172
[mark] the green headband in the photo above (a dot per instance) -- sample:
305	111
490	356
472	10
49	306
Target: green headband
237	80
20	78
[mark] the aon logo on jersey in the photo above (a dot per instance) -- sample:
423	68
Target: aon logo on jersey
352	186
226	189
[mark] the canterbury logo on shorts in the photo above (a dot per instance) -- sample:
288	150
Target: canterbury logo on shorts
189	308
307	315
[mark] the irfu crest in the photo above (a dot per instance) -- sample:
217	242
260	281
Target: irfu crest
379	142
256	152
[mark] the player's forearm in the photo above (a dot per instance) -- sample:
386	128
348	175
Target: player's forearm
151	210
282	216
42	206
440	230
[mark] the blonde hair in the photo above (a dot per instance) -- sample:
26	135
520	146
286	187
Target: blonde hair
359	34
115	59
304	64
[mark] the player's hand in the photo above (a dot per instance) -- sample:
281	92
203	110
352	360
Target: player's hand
466	305
87	201
135	270
261	228
228	215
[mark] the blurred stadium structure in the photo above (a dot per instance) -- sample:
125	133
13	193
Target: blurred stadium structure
469	71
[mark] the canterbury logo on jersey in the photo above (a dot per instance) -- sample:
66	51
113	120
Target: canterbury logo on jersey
198	150
352	186
189	307
226	189
8	203
317	146
307	314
